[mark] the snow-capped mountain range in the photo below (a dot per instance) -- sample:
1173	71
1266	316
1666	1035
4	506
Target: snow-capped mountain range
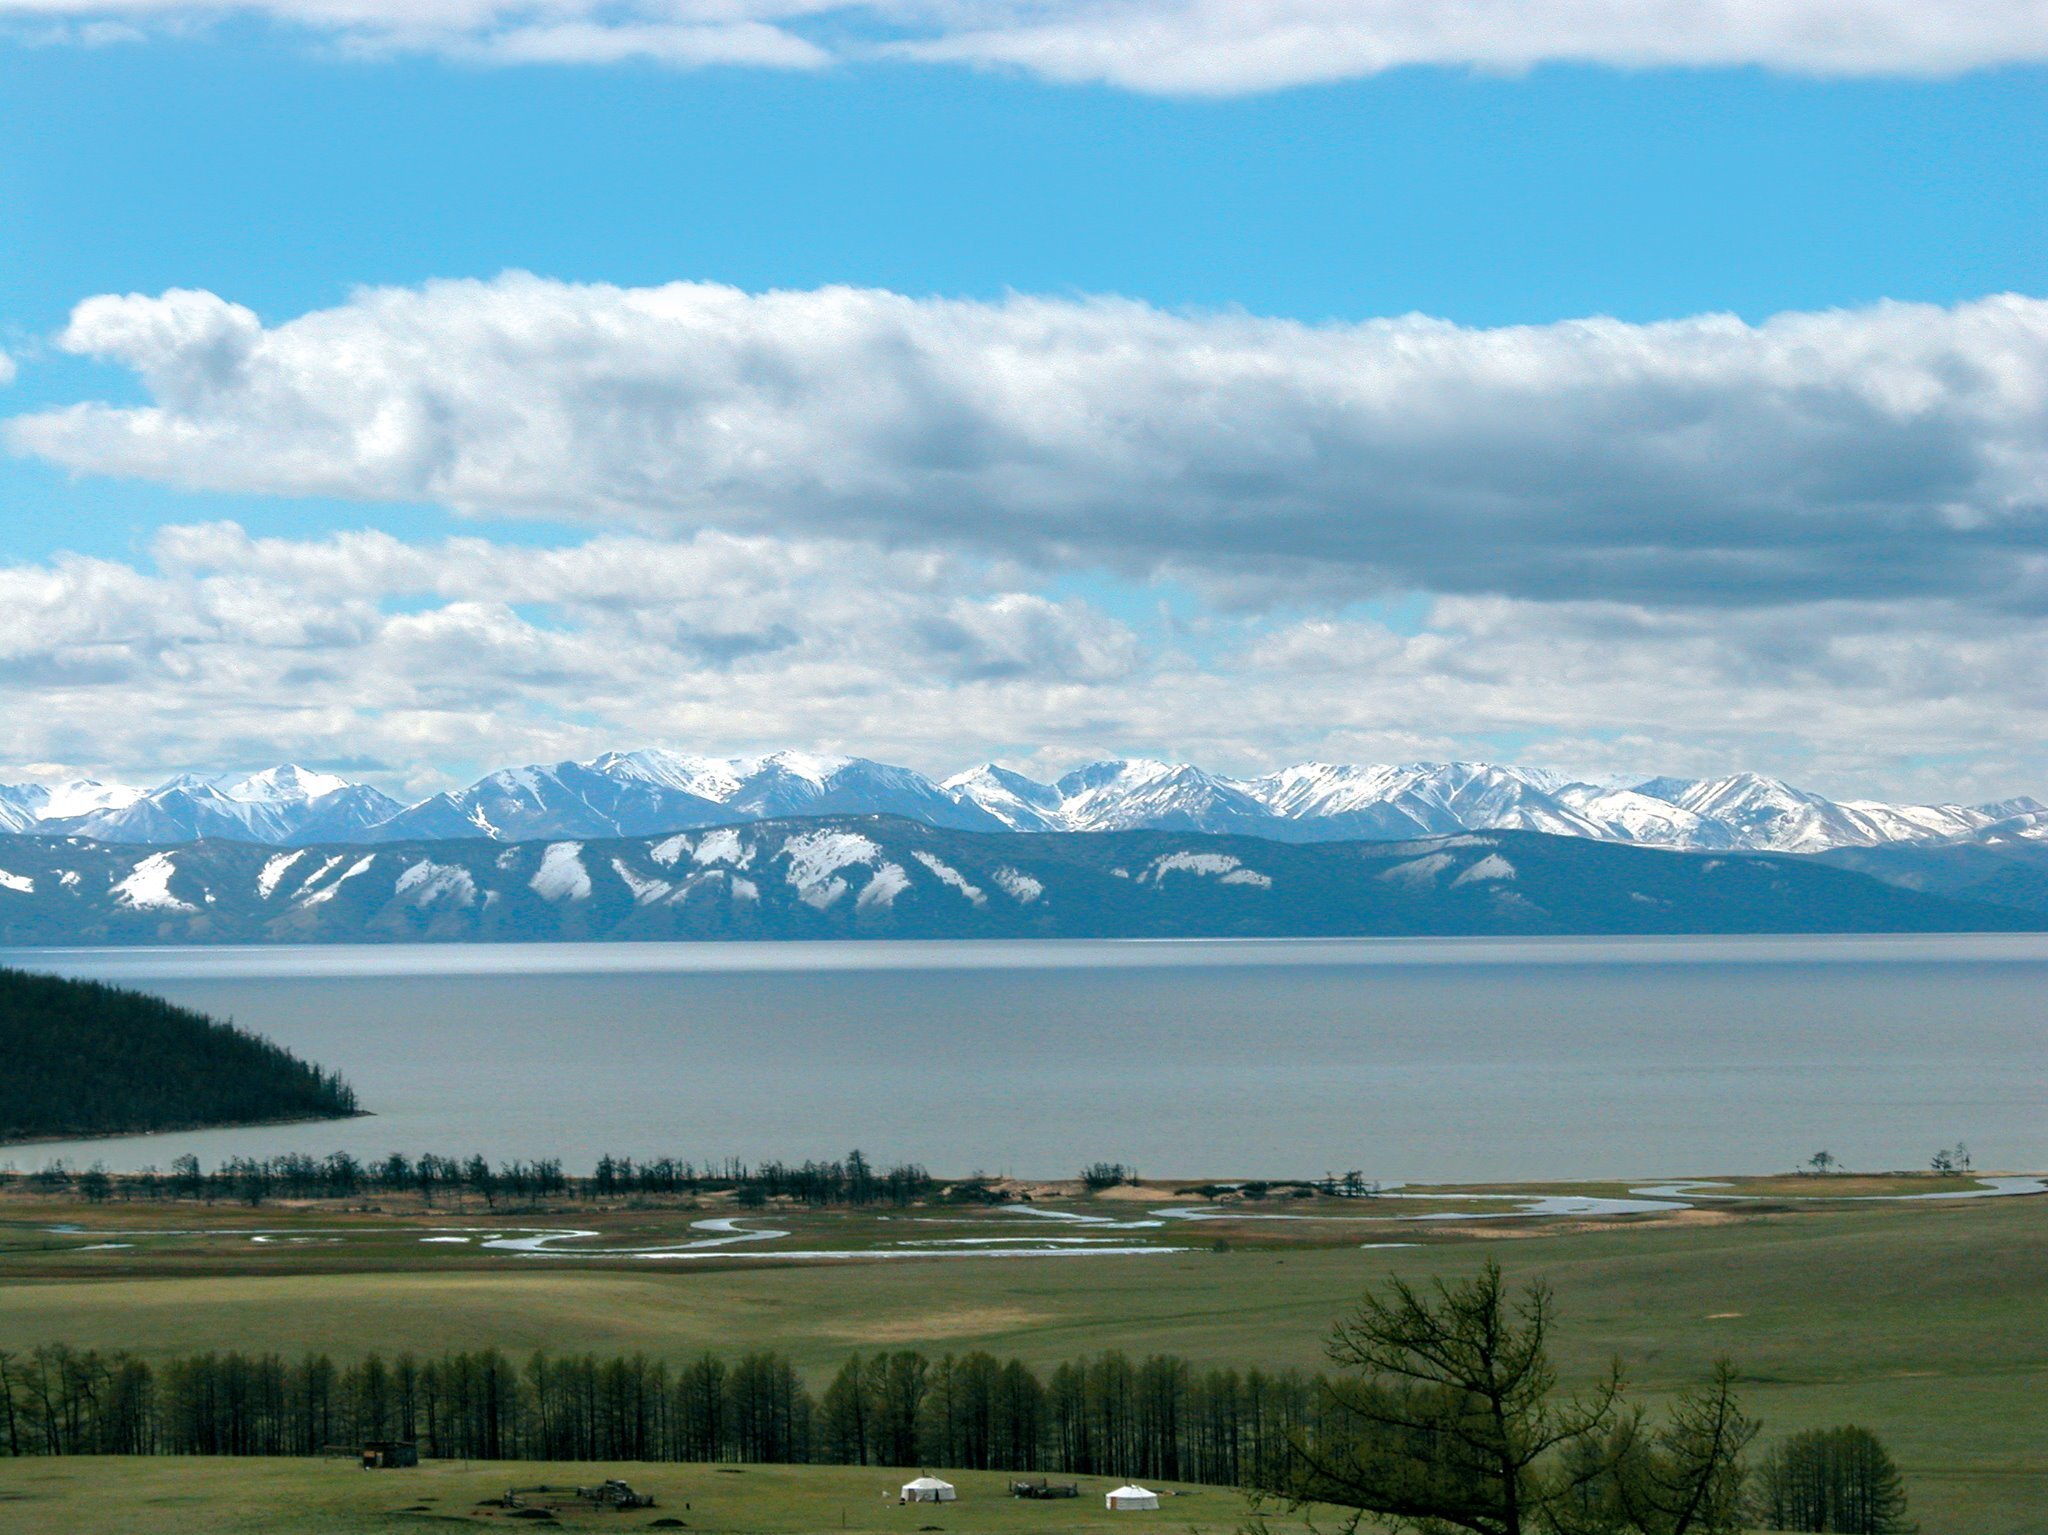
645	793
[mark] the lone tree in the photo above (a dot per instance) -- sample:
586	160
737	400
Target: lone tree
1832	1479
1448	1417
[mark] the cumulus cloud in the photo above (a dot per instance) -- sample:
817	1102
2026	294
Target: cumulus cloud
1889	452
1181	47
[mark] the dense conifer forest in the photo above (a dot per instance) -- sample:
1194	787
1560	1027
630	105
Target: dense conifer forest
84	1058
1108	1414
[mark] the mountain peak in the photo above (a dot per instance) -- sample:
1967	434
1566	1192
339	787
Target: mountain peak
288	782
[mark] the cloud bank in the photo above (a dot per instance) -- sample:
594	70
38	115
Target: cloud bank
1233	47
421	663
1893	452
1175	47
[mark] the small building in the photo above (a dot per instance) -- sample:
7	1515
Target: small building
390	1454
928	1489
1130	1497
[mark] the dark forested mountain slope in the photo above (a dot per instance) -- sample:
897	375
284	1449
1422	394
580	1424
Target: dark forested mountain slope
79	1058
2007	871
884	877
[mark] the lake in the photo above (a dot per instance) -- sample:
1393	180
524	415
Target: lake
1416	1060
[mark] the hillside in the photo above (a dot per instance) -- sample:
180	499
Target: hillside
2010	871
88	1059
884	877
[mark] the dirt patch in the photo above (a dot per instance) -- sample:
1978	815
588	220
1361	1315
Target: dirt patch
963	1322
1719	1216
1851	1185
1141	1194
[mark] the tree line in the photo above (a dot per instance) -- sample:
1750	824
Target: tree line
85	1058
1109	1414
1578	1466
853	1181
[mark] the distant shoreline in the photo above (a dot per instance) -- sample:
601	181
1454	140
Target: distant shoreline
8	1142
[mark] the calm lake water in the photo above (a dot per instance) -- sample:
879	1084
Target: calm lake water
1408	1059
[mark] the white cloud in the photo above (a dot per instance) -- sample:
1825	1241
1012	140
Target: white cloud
425	661
678	46
1231	47
1181	47
1889	452
7	370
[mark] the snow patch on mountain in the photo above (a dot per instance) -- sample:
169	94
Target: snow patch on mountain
889	882
326	867
21	884
273	870
1492	866
815	859
1017	885
1187	863
669	849
1226	867
1417	872
724	846
327	892
645	891
561	875
949	875
428	882
148	886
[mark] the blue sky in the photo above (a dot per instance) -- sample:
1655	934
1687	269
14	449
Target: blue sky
266	165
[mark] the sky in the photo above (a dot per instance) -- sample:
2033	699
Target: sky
410	387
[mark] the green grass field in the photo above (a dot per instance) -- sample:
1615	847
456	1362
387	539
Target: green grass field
1926	1322
88	1496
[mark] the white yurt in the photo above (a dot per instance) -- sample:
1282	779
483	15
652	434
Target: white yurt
1130	1496
929	1489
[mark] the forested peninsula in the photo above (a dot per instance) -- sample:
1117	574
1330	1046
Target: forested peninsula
83	1058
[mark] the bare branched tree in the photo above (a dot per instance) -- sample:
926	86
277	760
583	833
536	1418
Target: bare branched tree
1448	1418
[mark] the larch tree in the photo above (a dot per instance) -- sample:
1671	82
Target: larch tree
1447	1416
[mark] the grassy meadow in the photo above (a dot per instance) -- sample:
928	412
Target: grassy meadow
87	1495
1926	1322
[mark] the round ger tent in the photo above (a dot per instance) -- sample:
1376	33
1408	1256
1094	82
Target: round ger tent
929	1489
1130	1496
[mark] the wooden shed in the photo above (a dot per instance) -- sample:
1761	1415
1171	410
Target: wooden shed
390	1454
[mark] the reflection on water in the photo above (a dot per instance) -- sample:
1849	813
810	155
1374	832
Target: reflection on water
1407	1059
